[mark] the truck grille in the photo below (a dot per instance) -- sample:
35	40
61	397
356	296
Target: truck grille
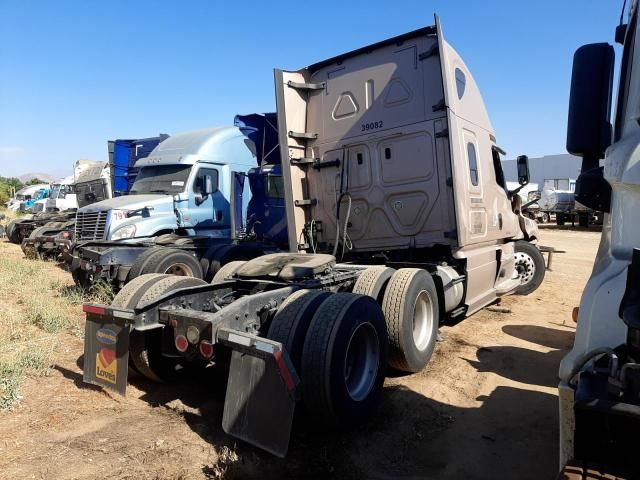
90	225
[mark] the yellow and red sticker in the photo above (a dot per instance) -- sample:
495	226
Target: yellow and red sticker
106	365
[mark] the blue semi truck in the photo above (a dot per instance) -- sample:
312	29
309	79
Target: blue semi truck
187	212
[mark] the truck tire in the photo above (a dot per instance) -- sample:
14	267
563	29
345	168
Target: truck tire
530	265
81	278
412	313
544	218
129	295
173	262
373	282
226	270
9	228
291	322
145	347
230	253
560	219
13	232
583	221
344	360
49	227
141	262
166	238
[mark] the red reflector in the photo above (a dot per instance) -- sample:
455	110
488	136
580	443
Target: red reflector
206	349
181	343
284	370
93	309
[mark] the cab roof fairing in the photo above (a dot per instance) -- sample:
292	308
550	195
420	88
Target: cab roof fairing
192	147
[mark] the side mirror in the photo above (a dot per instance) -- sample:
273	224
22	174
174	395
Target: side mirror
522	163
589	127
208	187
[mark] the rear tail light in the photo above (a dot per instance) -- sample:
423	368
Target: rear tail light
206	349
181	343
93	309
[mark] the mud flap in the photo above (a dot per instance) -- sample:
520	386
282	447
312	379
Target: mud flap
106	349
262	391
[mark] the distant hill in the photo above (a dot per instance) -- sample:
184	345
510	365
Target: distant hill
42	176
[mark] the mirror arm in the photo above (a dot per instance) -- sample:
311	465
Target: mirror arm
200	198
513	192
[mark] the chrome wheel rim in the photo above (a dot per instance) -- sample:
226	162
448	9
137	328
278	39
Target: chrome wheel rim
525	267
362	361
423	318
179	269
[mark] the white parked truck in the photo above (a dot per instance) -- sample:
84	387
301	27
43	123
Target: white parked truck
600	377
398	219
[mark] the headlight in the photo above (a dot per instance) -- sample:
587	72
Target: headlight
127	231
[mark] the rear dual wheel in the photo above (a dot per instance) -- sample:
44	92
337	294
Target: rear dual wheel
145	347
168	261
343	359
226	271
412	313
409	301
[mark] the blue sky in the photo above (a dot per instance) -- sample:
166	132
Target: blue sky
74	74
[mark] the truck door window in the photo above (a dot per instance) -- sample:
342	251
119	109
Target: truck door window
199	180
497	166
625	75
274	186
473	164
168	179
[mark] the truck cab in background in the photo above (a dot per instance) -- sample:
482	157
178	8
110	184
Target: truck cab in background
51	233
40	195
210	219
182	186
600	376
123	155
62	196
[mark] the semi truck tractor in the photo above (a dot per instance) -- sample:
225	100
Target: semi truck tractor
62	196
600	376
398	219
40	195
190	236
51	234
23	195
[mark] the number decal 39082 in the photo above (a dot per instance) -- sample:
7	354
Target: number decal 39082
371	126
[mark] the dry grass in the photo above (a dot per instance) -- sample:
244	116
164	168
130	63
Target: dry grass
36	307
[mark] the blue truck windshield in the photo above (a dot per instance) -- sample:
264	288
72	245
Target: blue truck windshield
169	179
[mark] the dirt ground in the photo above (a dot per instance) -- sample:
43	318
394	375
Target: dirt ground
485	407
